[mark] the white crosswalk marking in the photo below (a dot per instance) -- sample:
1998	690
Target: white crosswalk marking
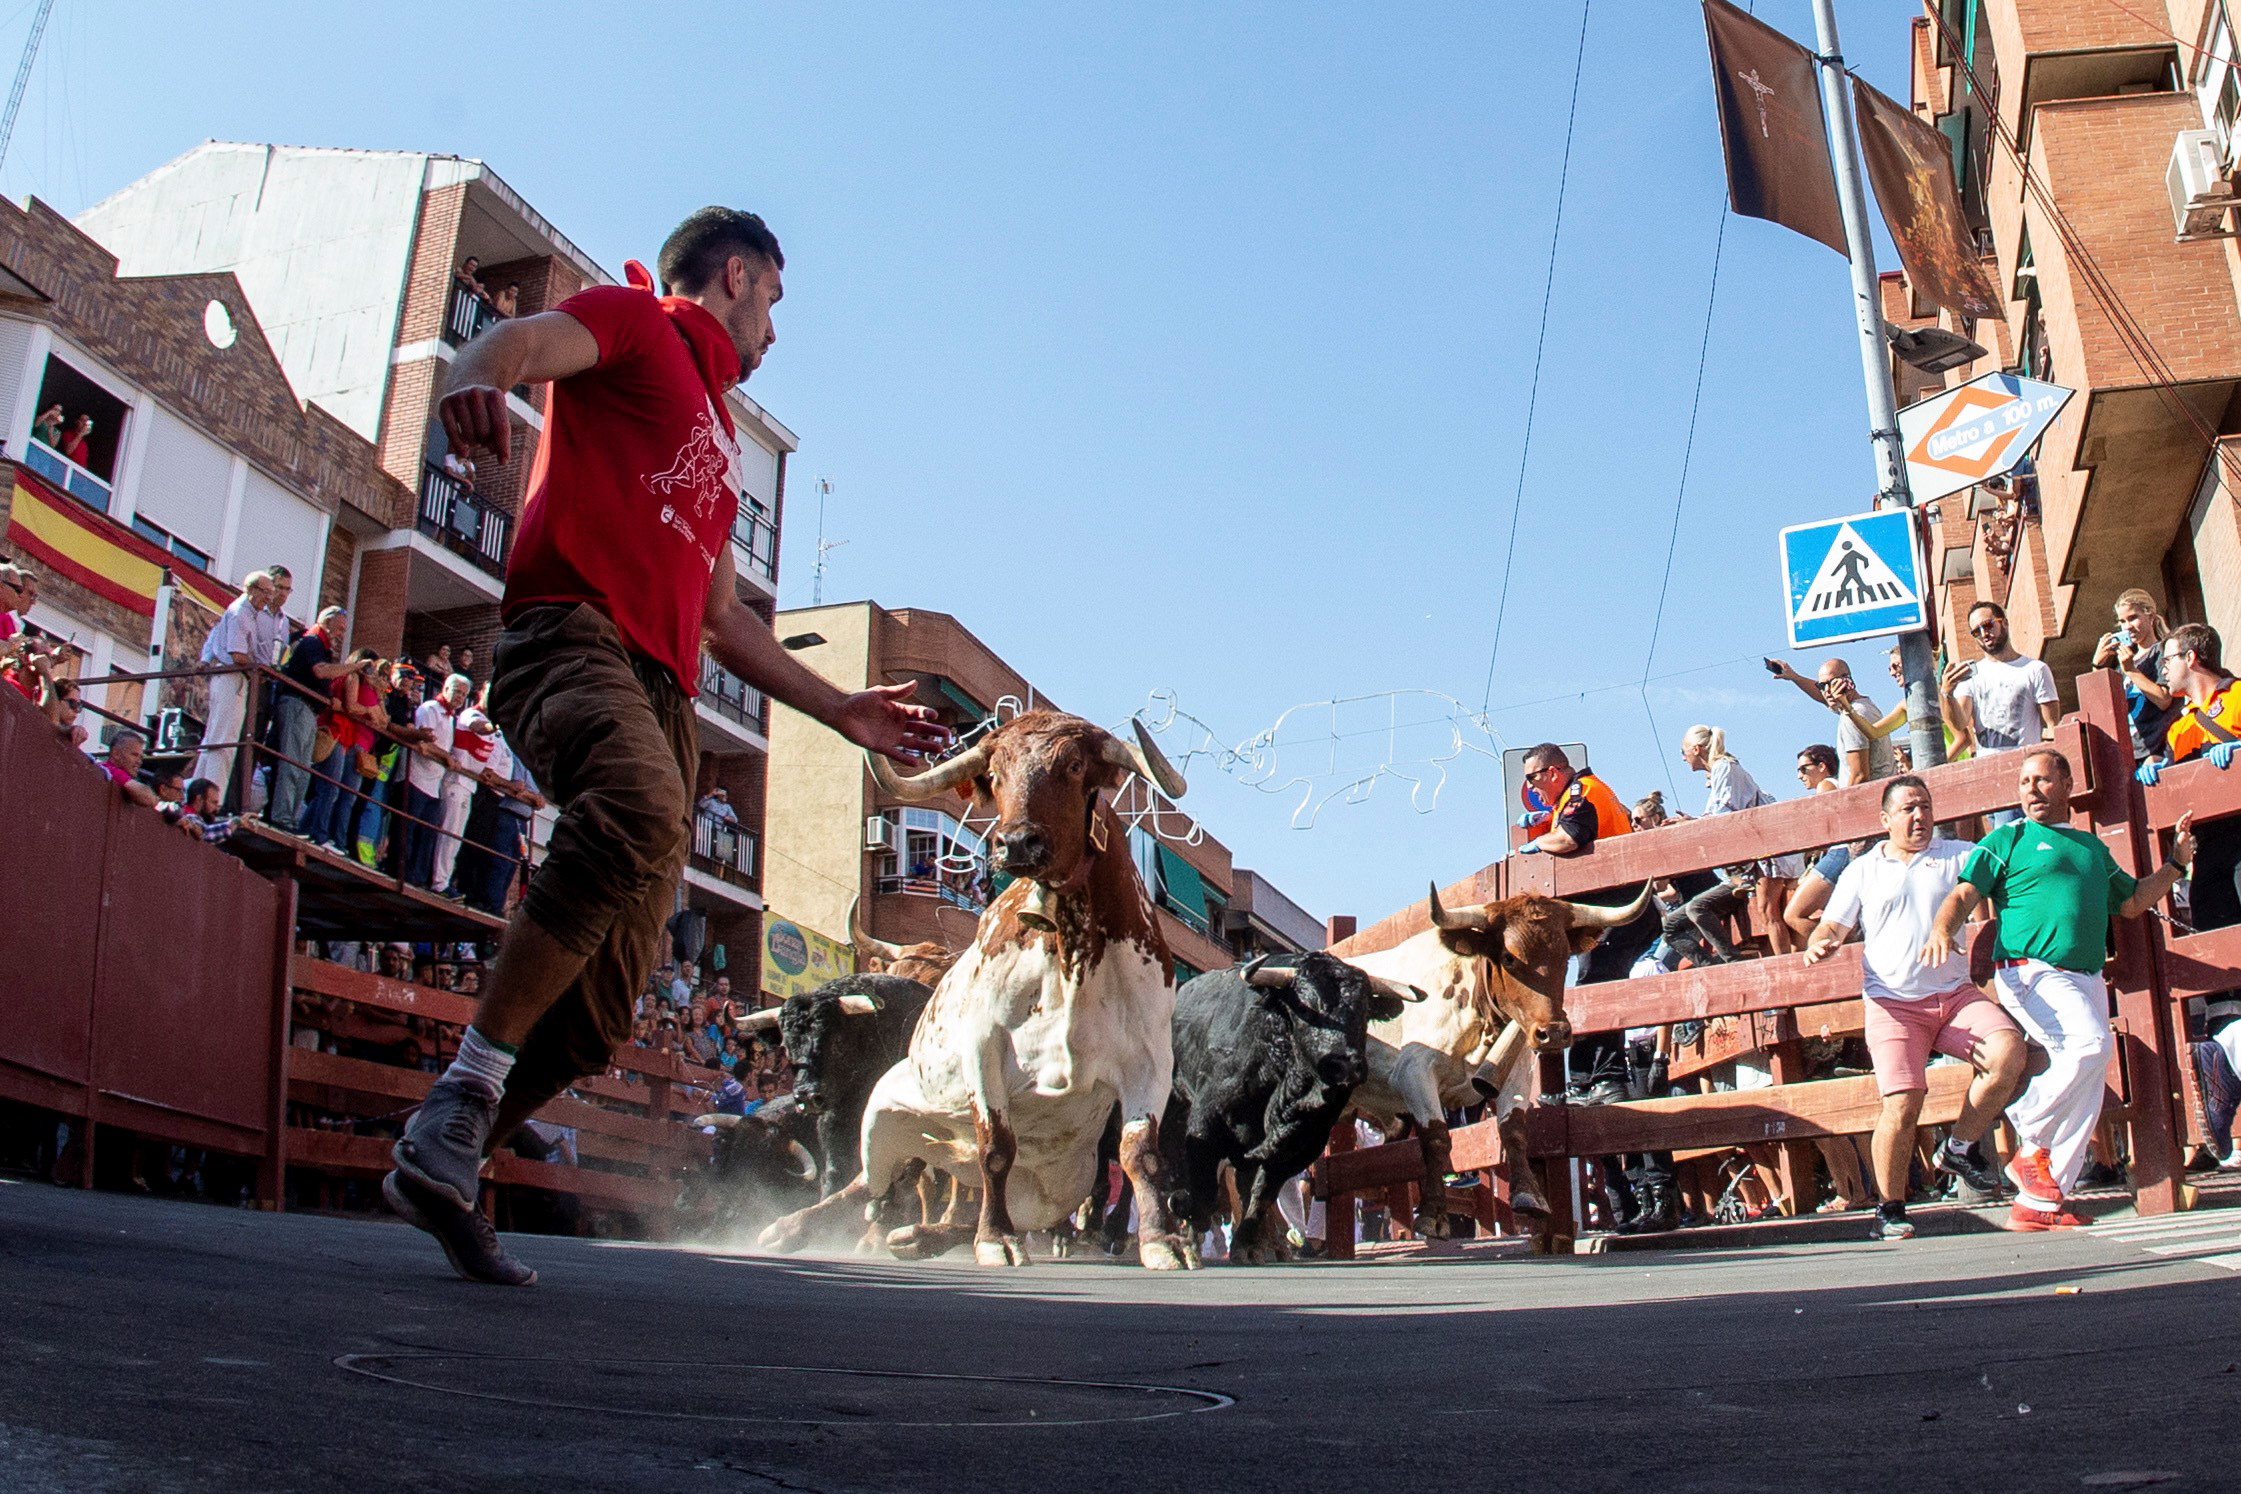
2205	1238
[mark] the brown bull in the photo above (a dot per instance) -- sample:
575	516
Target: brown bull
1495	976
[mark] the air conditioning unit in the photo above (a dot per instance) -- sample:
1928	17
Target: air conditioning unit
878	833
2201	198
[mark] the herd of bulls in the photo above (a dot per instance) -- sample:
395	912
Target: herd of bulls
980	1096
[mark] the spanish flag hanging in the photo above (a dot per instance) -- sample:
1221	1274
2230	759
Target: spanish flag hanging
100	554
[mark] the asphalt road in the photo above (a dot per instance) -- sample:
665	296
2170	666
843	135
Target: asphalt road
162	1346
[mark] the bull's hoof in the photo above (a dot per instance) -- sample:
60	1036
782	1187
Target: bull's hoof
1001	1250
921	1242
786	1235
1166	1253
1432	1226
1529	1204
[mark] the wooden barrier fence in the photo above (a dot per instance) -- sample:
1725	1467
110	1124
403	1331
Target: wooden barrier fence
632	1140
1779	1001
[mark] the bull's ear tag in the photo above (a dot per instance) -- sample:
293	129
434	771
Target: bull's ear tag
1097	836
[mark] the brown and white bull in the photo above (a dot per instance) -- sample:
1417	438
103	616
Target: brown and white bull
1060	1010
1495	978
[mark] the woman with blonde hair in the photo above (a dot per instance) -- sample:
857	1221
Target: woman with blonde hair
1731	787
2135	650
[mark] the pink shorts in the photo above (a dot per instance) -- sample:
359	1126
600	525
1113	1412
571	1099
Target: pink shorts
1901	1034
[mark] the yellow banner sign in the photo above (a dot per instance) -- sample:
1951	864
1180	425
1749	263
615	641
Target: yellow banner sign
797	959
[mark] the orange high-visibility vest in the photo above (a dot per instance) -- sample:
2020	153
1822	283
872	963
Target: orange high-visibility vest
1611	817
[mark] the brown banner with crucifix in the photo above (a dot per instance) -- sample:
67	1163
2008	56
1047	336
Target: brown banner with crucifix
1771	126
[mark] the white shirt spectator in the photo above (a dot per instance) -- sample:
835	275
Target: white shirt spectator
233	633
424	774
1893	902
270	630
2005	699
1883	759
719	810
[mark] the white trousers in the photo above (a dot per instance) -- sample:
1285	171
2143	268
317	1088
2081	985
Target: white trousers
2066	1013
458	794
229	701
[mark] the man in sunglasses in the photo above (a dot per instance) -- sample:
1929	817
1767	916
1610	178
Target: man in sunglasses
2003	700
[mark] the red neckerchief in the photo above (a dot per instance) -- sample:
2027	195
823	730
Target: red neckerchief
705	338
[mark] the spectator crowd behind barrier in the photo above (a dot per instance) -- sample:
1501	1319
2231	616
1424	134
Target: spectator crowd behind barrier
1780	1004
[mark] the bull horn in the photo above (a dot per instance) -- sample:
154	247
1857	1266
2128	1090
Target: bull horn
858	1004
1442	919
1268	980
862	938
721	1122
942	778
1399	990
1589	916
1143	757
803	1160
762	1021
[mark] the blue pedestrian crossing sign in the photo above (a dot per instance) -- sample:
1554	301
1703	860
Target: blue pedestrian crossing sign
1857	577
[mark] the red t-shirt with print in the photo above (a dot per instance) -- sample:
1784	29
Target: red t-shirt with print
637	479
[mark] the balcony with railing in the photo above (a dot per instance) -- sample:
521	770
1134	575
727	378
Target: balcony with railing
67	475
462	522
754	534
730	696
467	316
725	850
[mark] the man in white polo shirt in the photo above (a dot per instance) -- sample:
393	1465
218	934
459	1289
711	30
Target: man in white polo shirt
1892	894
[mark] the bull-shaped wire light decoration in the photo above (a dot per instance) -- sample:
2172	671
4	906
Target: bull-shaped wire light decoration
1316	728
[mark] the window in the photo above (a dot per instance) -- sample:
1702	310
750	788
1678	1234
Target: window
77	432
2216	85
935	856
156	534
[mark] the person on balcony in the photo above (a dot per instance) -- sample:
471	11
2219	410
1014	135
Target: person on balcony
74	435
507	303
310	668
621	573
468	277
47	429
716	805
232	642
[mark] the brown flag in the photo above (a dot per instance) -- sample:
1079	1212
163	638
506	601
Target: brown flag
1771	126
1911	167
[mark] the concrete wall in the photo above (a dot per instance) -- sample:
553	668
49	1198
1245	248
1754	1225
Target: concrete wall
813	825
319	238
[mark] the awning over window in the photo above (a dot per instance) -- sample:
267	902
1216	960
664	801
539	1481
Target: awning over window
1183	885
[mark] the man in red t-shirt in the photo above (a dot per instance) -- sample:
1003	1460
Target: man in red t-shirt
621	573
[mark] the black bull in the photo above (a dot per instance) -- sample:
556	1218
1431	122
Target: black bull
1266	1059
840	1038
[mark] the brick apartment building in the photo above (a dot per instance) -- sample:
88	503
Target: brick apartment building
2127	491
201	464
350	260
920	871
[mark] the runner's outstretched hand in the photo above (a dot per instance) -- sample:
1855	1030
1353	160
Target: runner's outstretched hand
879	720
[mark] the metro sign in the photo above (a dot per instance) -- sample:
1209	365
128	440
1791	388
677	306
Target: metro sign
1959	438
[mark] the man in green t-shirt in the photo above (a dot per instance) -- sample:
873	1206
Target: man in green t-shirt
2055	889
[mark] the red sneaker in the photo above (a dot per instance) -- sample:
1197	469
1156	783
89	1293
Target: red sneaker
2025	1220
2032	1176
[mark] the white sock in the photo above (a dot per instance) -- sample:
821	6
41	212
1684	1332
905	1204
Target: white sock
482	1063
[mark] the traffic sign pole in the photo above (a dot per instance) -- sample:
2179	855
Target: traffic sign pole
1924	720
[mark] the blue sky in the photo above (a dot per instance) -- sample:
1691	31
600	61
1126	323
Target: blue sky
1179	349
